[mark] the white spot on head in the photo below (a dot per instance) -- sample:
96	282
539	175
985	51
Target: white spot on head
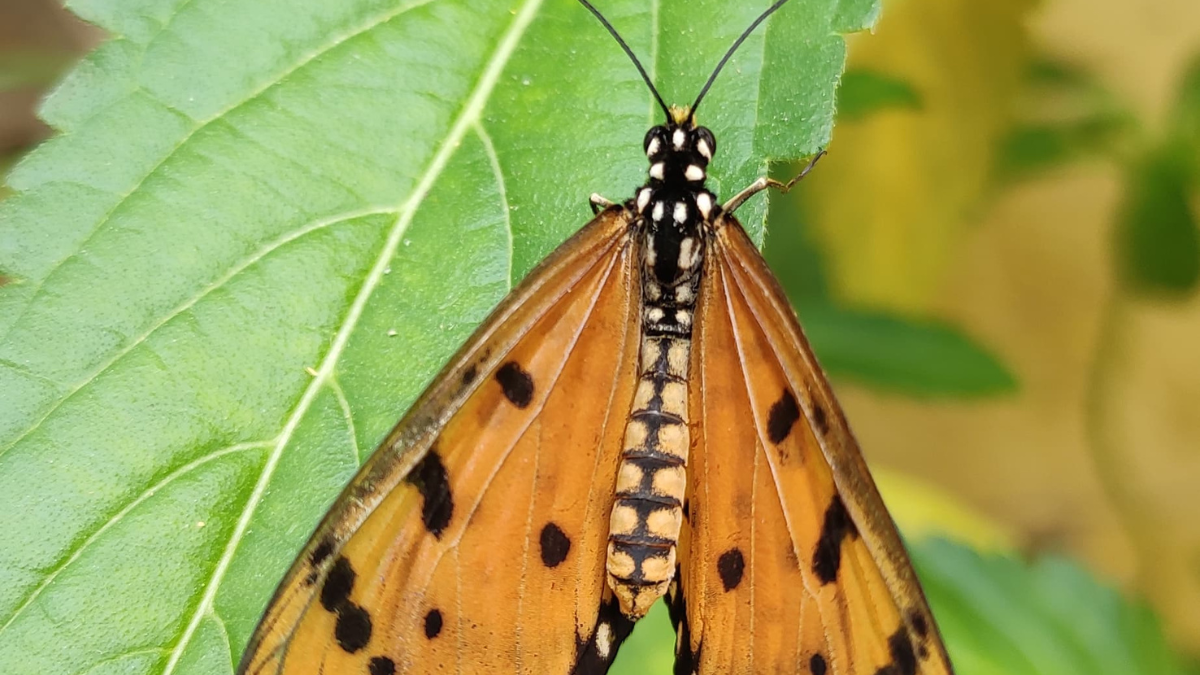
652	149
656	170
604	640
643	199
657	213
681	212
705	151
679	139
693	172
704	202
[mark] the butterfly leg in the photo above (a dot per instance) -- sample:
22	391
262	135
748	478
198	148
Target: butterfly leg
764	183
599	203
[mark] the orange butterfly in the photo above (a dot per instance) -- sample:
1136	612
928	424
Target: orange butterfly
642	417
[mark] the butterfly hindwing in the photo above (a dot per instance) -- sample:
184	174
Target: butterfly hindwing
790	563
474	539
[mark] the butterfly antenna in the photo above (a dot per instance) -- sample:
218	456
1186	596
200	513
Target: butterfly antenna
629	53
725	59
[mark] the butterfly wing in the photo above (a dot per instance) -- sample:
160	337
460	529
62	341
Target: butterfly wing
790	563
473	540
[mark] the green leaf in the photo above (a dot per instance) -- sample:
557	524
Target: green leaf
865	92
262	229
651	646
1185	123
1157	241
1068	116
1000	616
885	351
1032	148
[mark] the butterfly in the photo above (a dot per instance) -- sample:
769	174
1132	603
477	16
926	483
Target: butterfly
641	418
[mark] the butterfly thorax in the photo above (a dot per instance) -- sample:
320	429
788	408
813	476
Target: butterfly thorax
673	210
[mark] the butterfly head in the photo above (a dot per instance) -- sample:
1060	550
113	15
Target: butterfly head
674	205
679	152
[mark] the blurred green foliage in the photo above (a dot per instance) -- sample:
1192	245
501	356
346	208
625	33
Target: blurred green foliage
864	92
1066	116
1001	615
1072	117
1157	241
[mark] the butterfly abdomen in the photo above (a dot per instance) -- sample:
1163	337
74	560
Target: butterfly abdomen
647	509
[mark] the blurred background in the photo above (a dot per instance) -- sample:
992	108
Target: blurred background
998	262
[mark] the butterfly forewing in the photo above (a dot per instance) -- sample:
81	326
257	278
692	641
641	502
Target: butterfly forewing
790	564
474	539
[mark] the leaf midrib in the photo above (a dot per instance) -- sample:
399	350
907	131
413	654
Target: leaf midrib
469	116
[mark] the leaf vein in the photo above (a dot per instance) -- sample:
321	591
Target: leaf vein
490	149
470	114
257	256
76	552
264	87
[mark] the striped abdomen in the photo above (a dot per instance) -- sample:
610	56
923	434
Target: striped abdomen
648	509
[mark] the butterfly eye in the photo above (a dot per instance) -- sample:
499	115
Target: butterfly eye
706	145
654	141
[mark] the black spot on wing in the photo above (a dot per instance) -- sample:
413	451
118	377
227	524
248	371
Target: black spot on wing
730	566
919	624
433	623
431	480
469	375
820	417
827	558
817	665
381	665
904	659
516	384
353	628
555	545
321	552
335	592
590	658
782	417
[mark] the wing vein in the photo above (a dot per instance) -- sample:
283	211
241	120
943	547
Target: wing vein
537	460
453	544
612	393
758	427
